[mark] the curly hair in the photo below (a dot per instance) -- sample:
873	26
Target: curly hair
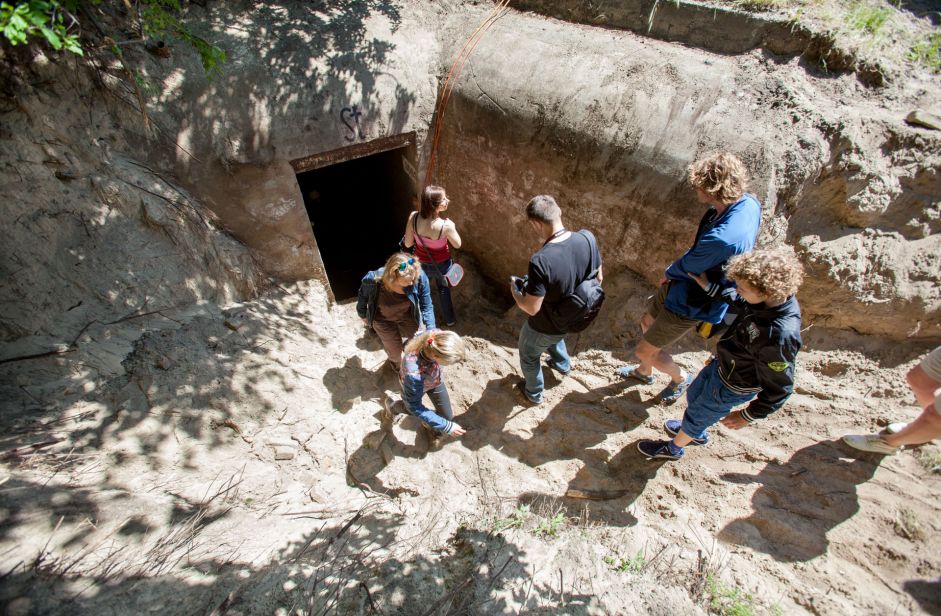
774	272
391	272
446	347
721	175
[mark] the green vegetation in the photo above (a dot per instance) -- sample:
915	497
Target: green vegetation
58	23
40	19
523	518
727	600
867	18
550	527
517	518
927	52
634	564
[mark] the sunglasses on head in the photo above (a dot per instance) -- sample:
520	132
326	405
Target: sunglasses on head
405	264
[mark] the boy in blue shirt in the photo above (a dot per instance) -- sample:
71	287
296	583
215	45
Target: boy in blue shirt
755	357
729	227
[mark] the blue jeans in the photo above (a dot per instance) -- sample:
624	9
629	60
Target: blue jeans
709	400
532	344
440	419
437	273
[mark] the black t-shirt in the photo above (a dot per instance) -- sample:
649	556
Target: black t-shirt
555	271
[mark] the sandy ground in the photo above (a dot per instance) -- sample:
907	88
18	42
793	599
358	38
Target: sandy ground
162	490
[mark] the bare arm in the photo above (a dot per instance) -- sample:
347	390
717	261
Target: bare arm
409	236
530	304
450	230
600	275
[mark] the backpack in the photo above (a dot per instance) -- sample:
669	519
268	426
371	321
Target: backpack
576	311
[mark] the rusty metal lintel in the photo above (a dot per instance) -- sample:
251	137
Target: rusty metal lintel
359	150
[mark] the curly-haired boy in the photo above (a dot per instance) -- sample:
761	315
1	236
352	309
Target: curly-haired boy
755	357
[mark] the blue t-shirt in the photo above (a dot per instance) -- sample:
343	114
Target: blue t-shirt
719	237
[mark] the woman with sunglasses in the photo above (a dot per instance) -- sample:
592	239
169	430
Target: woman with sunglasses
431	234
395	301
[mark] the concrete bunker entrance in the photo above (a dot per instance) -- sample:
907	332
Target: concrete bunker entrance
358	199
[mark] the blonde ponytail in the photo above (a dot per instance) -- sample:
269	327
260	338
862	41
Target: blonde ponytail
446	346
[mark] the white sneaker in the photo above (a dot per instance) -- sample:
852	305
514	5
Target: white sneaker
869	442
896	427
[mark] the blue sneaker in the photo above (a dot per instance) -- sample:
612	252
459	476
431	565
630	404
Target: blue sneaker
672	427
630	372
674	391
665	450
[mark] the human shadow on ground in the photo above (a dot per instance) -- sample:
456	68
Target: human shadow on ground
800	501
572	429
926	593
380	447
346	383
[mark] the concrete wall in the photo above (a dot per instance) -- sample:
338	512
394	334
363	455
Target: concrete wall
608	122
300	79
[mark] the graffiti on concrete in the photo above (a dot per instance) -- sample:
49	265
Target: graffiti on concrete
352	114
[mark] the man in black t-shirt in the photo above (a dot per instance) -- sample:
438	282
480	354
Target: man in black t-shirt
564	261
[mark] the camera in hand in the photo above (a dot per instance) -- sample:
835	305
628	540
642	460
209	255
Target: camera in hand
519	283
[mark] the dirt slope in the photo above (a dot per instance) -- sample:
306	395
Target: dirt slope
165	485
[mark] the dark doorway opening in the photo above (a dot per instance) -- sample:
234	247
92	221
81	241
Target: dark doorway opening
358	209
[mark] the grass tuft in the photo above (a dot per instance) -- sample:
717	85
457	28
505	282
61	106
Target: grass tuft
728	600
867	18
927	52
907	525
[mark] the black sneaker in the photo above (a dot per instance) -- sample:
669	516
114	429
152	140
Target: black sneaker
672	427
665	450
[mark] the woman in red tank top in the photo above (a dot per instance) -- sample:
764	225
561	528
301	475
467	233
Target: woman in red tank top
431	236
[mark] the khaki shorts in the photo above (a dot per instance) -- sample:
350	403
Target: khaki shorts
668	327
931	364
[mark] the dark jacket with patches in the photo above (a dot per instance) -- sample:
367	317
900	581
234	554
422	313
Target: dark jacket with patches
757	352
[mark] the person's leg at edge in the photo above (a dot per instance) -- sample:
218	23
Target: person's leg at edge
924	428
531	346
560	356
923	385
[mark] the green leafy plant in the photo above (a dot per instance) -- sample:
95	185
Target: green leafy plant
159	19
48	20
634	564
516	519
56	23
550	527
